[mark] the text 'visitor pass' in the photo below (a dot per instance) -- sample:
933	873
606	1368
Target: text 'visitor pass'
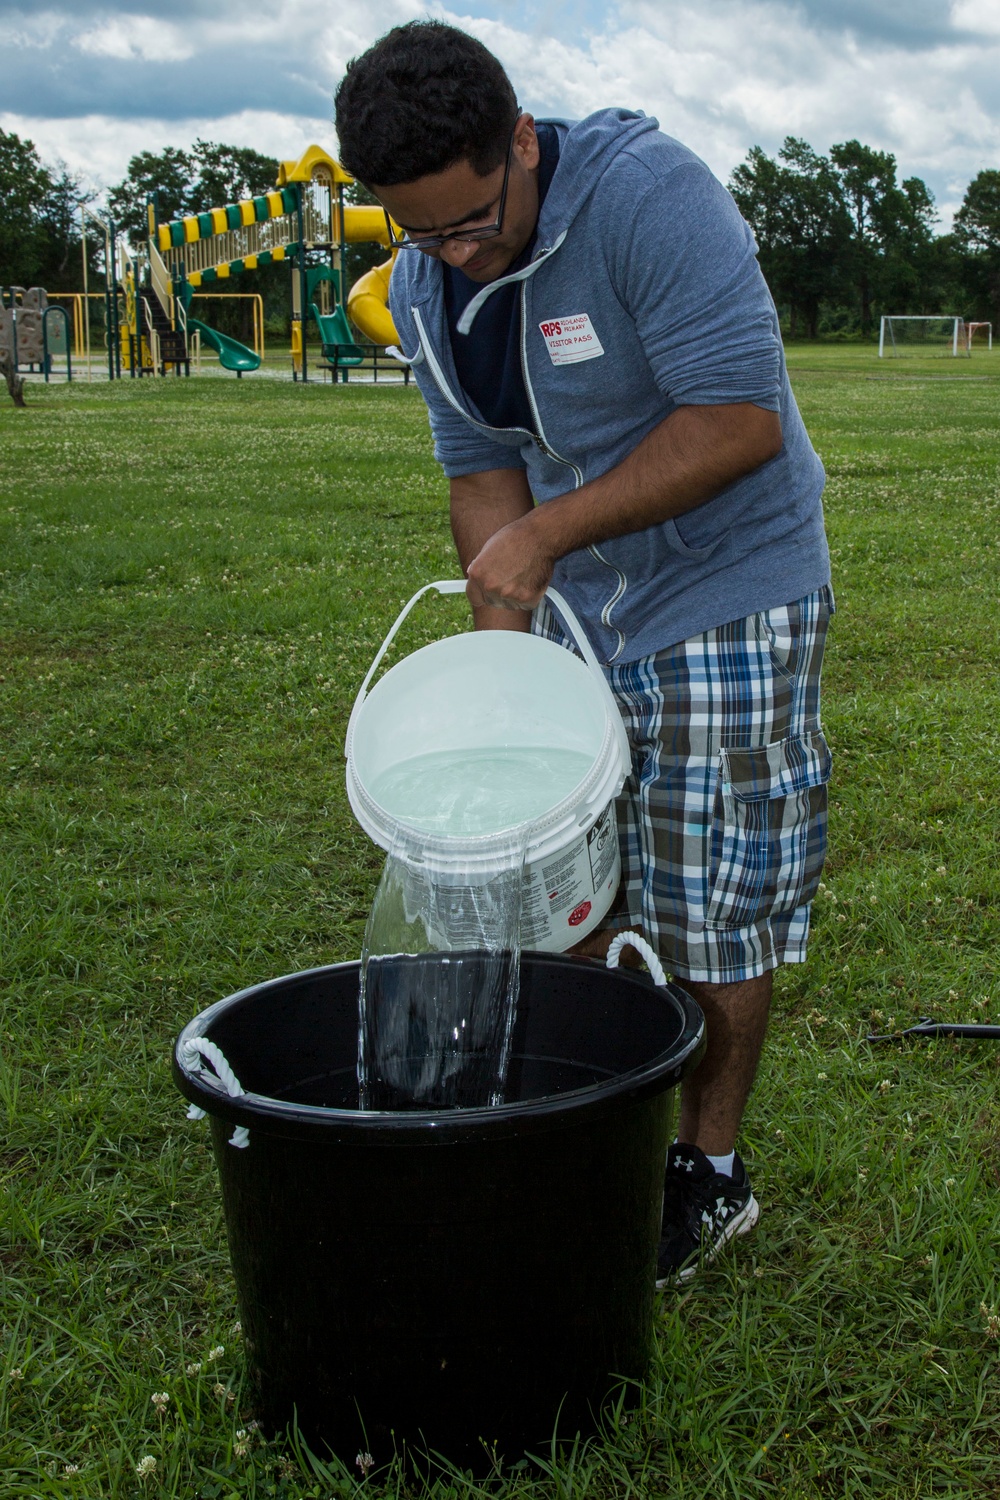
571	339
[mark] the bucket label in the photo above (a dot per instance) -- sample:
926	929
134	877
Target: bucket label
562	879
601	847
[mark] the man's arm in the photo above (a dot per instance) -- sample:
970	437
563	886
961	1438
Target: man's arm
687	459
482	505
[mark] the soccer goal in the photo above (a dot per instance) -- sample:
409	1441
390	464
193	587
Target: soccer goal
918	335
982	331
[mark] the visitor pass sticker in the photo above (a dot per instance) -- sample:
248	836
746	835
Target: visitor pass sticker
571	339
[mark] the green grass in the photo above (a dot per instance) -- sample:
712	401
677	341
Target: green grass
193	578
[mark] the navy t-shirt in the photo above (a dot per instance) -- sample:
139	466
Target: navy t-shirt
488	357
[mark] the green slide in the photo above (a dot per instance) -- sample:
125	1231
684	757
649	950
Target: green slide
336	337
232	355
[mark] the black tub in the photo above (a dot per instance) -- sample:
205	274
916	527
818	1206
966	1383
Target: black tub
446	1279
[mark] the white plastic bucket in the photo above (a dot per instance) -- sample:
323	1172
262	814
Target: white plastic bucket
494	689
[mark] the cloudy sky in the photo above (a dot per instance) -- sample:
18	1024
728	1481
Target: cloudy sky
92	84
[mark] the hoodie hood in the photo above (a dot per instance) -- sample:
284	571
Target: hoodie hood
586	150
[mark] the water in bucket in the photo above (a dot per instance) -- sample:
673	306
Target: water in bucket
471	792
439	977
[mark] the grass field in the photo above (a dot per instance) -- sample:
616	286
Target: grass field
193	578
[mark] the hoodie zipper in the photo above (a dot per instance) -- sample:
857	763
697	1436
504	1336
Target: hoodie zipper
550	452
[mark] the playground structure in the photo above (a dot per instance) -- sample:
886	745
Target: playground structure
150	328
33	331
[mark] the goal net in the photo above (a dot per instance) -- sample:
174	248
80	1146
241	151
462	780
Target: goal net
918	335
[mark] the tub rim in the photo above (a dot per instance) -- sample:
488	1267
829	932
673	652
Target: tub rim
326	1124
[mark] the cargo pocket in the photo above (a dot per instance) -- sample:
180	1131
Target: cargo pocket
769	830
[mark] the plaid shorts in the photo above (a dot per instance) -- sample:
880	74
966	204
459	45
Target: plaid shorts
722	822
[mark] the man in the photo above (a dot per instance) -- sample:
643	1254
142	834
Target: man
602	363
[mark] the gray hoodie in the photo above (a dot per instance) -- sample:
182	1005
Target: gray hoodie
643	294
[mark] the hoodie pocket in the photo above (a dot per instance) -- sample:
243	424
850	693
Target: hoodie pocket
676	542
769	830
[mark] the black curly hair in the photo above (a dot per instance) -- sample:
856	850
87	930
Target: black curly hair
425	96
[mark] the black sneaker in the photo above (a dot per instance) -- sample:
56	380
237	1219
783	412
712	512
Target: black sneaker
702	1210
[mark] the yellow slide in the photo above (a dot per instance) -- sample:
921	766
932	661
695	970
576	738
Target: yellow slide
368	299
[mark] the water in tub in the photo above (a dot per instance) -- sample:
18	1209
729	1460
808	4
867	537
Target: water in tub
440	965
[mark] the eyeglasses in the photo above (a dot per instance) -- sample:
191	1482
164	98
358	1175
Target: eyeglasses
463	236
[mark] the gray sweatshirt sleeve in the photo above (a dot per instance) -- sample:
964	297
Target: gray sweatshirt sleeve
687	273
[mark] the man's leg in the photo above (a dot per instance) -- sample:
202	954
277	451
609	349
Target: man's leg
714	1096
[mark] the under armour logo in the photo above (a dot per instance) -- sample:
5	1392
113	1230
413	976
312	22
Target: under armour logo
718	1215
687	1165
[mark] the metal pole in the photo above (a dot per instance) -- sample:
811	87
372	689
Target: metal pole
303	287
86	298
108	276
114	299
881	337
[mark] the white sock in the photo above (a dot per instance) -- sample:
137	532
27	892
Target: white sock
723	1164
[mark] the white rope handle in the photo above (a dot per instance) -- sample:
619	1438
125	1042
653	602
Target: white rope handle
198	1047
632	939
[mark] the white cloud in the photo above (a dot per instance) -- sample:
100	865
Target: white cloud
726	75
99	147
131	37
723	75
977	15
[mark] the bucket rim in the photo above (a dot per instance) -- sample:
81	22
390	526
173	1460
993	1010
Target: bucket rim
661	1072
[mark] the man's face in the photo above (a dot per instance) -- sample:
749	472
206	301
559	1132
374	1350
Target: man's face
459	199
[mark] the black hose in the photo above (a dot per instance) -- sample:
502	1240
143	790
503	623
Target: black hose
926	1027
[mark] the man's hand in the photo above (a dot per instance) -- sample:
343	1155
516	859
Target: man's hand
513	569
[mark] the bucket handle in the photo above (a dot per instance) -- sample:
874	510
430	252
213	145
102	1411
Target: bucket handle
443	586
633	940
586	650
569	619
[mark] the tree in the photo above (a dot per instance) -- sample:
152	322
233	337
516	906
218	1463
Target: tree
60	220
977	233
24	186
977	222
888	221
225	174
166	173
798	216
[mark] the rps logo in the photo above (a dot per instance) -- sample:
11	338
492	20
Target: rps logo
551	330
579	914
